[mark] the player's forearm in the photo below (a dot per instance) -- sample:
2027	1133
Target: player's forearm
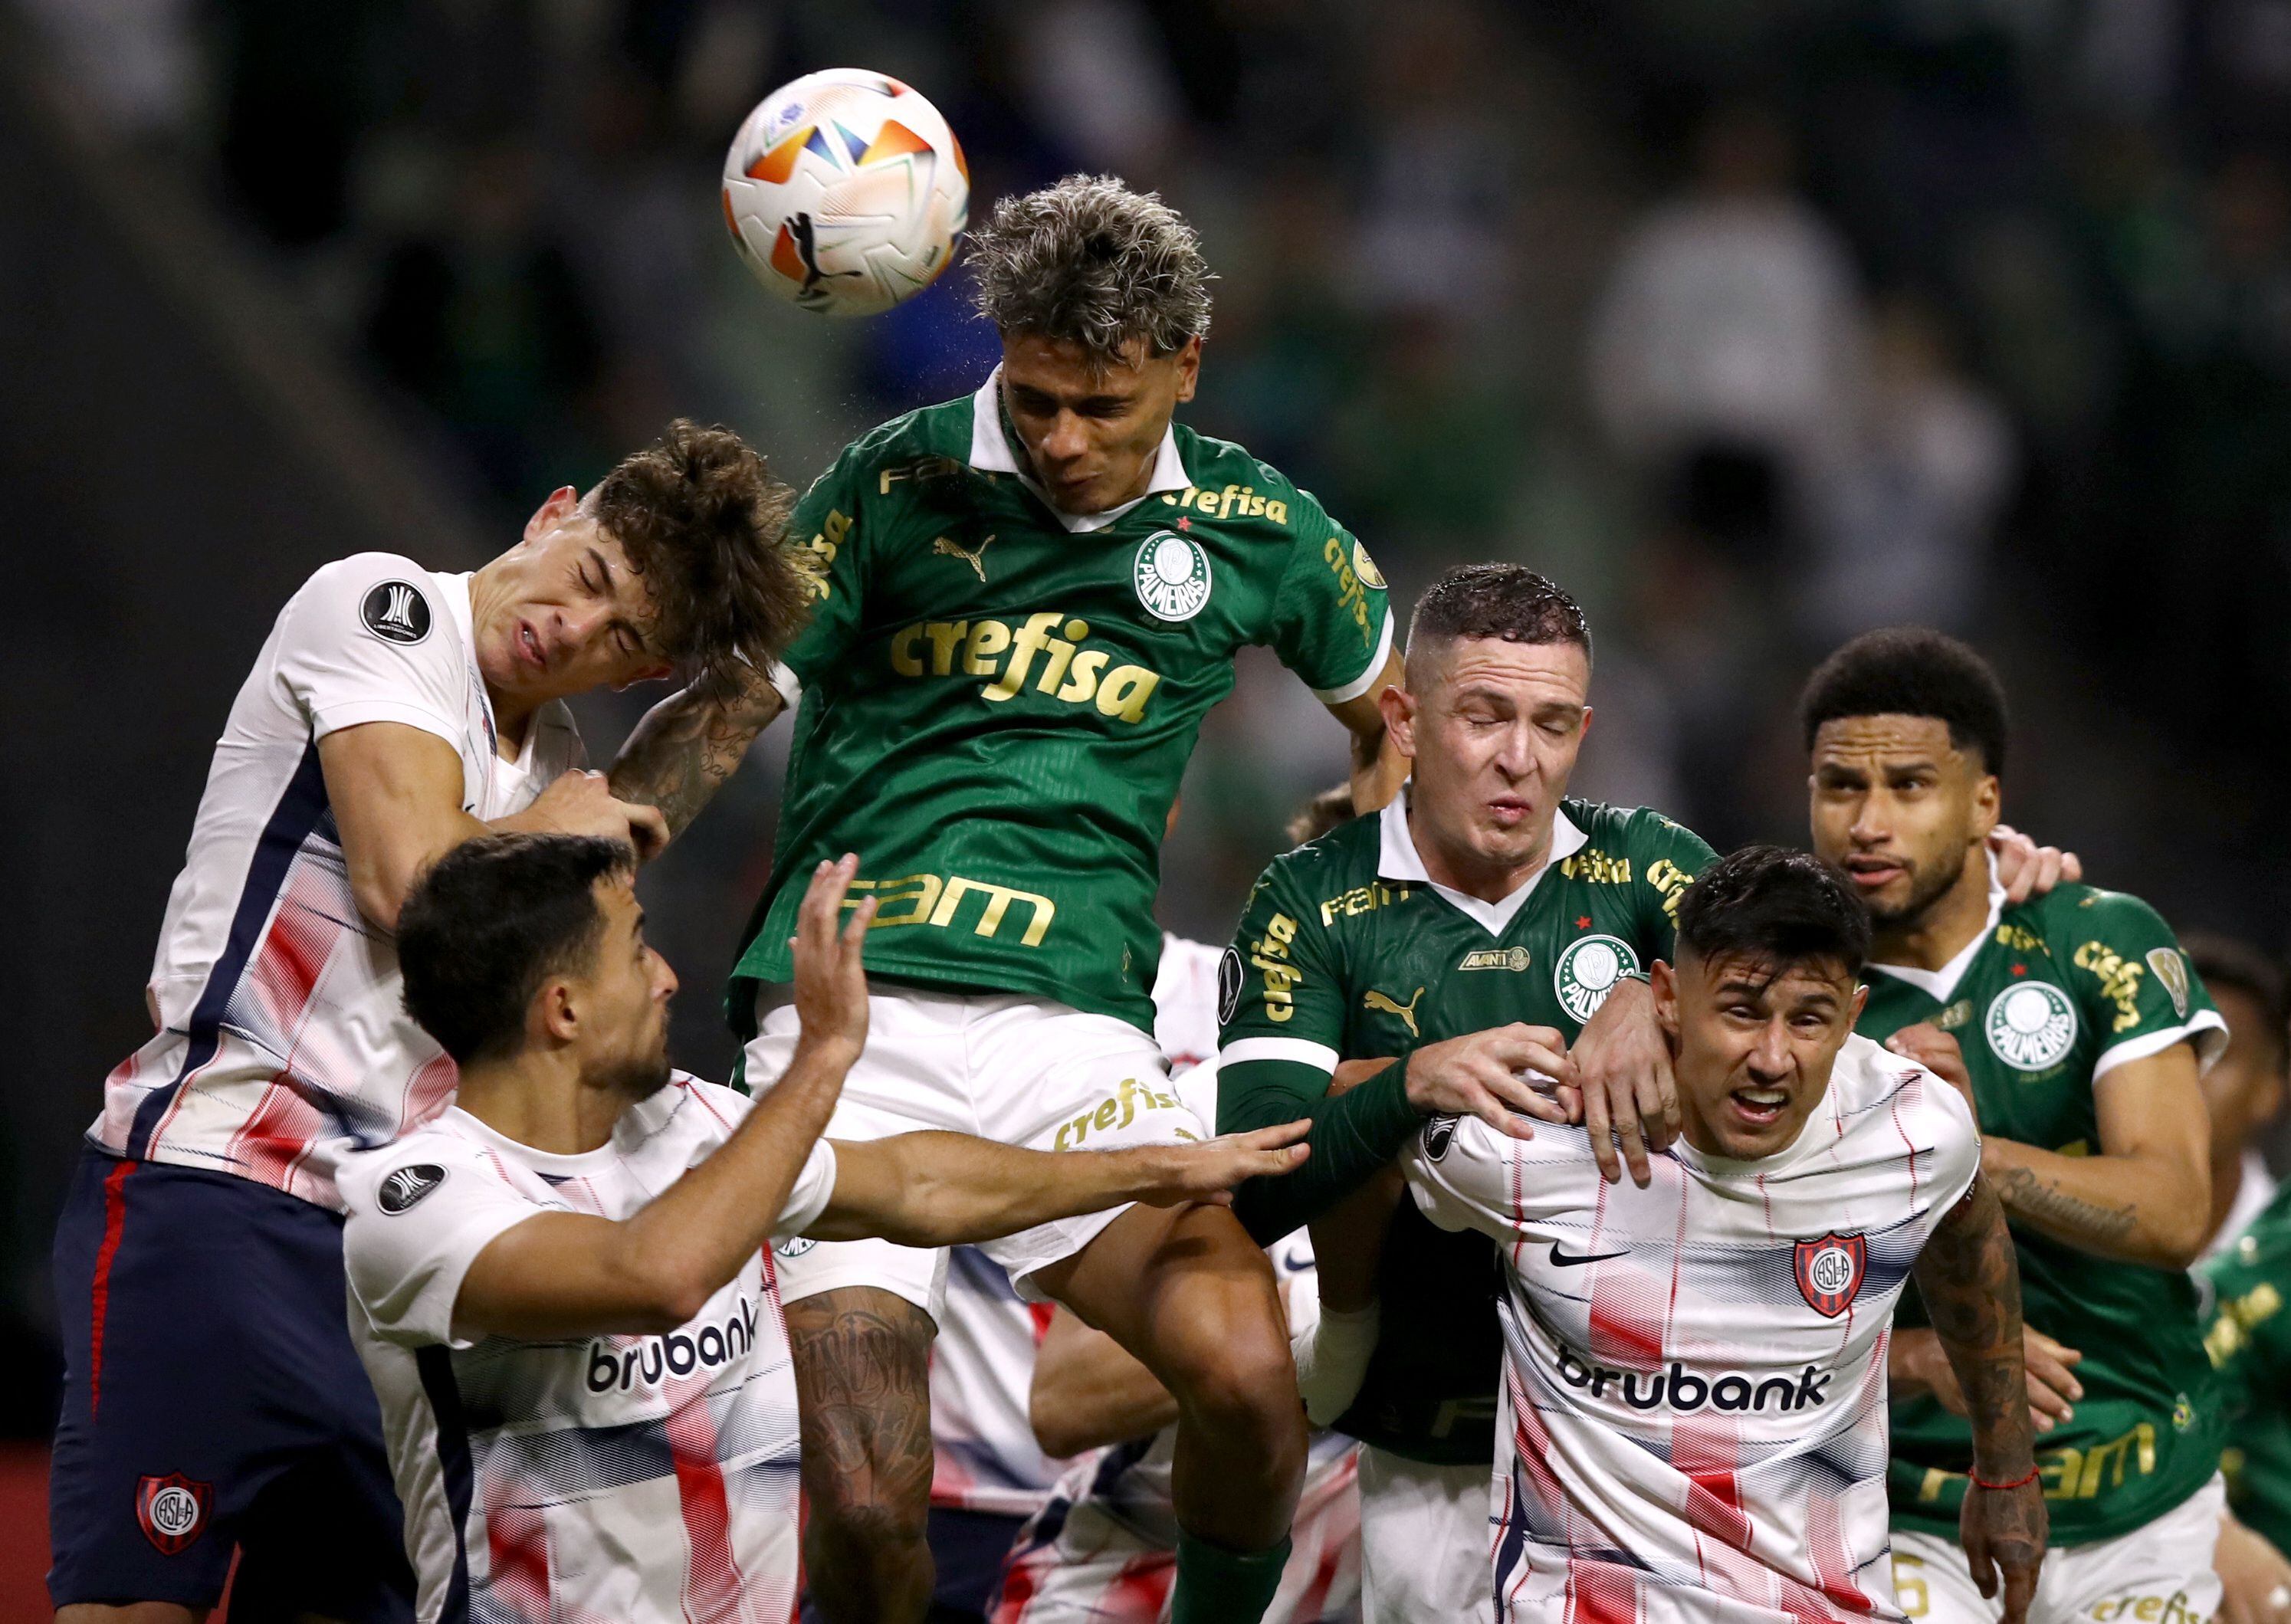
1969	1279
952	1189
691	741
697	1233
2132	1208
1354	1134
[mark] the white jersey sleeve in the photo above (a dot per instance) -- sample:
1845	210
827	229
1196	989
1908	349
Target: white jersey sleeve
420	1213
367	639
808	1196
1465	1175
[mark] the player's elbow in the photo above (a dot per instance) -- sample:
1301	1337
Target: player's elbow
378	895
1060	1427
2175	1241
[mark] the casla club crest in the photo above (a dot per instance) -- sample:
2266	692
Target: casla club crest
172	1510
1829	1272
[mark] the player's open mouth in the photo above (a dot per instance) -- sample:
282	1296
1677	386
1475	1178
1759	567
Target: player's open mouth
1760	1107
1871	873
528	646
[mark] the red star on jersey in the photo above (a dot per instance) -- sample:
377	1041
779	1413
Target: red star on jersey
1583	922
1184	522
2020	969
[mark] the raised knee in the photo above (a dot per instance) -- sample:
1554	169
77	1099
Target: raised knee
1233	1368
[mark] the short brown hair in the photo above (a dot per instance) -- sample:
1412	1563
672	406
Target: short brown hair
1331	809
704	523
1505	601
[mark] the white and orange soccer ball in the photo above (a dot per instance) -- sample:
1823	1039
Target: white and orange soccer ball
844	191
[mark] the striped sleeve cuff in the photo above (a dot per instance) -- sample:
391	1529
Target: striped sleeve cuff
1369	673
1297	1051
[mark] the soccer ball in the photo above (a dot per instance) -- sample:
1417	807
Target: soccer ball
844	191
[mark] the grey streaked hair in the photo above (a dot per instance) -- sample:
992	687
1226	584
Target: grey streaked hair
1091	262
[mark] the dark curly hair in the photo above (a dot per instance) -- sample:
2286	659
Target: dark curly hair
1092	262
704	523
1911	670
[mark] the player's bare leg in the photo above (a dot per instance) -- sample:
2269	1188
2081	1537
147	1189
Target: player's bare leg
1188	1292
863	1387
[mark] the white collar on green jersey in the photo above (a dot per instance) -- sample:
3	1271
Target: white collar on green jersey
1397	858
990	450
1941	985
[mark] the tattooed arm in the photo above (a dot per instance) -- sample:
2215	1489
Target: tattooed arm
2146	1196
692	741
1971	1283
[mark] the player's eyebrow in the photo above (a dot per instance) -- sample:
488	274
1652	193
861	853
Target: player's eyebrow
603	567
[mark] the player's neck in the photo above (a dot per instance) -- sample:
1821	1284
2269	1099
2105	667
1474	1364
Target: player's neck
1467	873
540	1103
1942	930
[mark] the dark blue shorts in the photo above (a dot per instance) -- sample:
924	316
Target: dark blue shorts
212	1400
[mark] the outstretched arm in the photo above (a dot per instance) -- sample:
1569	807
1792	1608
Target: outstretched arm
686	746
949	1189
570	1274
1971	1283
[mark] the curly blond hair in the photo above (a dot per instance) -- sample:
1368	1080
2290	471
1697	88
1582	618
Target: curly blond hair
1092	262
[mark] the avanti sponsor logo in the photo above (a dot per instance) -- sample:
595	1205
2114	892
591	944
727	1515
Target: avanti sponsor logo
1683	1391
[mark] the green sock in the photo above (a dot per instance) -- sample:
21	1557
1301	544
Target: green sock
1216	1586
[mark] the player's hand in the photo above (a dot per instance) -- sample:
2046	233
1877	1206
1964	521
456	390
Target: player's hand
1622	1070
2003	1533
2254	1577
2026	869
579	802
1938	1052
831	983
1480	1075
1917	1362
1207	1172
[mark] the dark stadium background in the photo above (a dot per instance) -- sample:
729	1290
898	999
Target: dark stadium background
281	281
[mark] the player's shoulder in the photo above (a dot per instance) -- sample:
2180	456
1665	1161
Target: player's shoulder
2072	913
1344	858
1242	492
383	595
1638	828
691	1108
927	443
392	1180
1870	1084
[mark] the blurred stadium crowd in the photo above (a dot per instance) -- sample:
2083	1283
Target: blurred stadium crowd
1755	325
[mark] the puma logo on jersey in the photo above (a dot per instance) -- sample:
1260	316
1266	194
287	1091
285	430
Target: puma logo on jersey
973	556
1377	1001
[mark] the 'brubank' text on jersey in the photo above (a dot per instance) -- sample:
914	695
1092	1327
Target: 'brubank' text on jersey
1694	1418
280	1038
999	703
643	1479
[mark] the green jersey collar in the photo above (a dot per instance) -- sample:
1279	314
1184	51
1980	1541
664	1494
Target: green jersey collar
1941	985
1397	858
993	452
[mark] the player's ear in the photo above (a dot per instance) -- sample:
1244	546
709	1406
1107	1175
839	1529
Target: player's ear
1664	980
552	512
1189	367
1987	804
555	1015
1397	705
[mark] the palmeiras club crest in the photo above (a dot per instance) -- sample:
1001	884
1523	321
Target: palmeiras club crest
172	1510
1829	1272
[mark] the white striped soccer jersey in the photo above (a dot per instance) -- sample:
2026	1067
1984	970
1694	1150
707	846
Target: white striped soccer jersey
1103	1549
279	1040
643	1479
1692	1423
983	1359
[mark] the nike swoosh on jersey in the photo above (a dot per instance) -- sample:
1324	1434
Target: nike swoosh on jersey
1562	1260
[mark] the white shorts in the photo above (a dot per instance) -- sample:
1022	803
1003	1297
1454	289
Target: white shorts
2158	1574
1018	1071
1425	1552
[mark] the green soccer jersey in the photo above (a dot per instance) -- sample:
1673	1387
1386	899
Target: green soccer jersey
2052	994
2249	1340
1348	950
998	701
